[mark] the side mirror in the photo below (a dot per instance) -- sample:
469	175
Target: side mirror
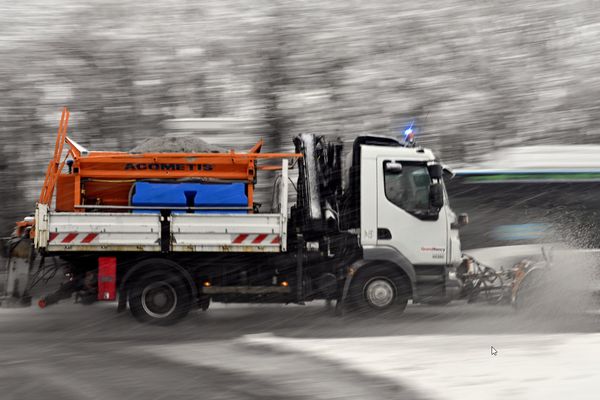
436	195
436	171
393	167
463	219
449	172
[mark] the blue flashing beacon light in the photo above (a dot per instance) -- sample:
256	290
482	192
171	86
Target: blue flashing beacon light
409	135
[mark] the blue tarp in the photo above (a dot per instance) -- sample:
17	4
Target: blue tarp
189	194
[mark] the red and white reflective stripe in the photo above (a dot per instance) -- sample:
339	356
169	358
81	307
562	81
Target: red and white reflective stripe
72	238
259	238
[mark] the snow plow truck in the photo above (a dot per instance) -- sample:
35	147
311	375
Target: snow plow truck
166	232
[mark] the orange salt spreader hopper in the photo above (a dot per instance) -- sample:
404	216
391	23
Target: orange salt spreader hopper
103	180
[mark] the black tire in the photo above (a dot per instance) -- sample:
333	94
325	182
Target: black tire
160	298
378	290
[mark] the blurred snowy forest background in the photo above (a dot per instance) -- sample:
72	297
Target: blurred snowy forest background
476	75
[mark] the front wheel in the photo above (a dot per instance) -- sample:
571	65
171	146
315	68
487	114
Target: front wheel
160	298
380	289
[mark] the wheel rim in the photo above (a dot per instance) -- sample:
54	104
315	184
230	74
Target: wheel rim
159	299
380	293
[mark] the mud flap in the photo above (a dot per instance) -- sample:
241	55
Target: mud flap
121	301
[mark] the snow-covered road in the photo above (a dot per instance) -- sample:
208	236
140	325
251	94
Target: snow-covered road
70	351
459	367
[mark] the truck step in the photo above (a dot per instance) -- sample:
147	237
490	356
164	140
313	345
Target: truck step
245	289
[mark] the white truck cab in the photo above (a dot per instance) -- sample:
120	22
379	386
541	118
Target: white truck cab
406	224
396	212
394	201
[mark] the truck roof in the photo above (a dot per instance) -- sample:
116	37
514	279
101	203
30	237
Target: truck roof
404	153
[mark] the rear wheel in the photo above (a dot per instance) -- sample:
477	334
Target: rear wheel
380	289
160	298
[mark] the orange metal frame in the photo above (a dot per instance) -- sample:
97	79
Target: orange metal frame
122	166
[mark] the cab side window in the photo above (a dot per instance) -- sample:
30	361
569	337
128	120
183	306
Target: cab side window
407	188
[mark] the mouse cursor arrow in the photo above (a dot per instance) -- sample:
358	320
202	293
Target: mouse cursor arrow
494	351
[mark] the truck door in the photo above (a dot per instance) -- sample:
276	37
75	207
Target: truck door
404	217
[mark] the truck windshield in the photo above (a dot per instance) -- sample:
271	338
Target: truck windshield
408	188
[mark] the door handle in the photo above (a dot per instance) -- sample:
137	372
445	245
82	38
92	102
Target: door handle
384	234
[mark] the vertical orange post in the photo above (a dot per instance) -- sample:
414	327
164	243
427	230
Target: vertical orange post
251	198
55	165
77	192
